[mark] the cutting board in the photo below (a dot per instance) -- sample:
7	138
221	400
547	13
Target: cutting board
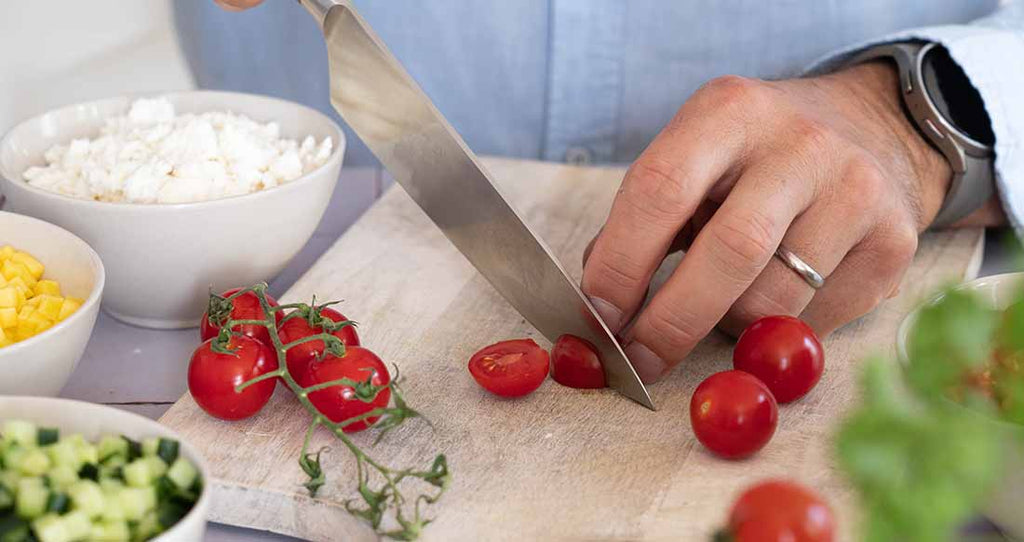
560	464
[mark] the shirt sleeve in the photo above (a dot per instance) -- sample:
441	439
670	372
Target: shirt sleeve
991	53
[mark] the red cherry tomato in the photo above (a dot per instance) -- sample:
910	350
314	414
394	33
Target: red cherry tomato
340	403
212	378
777	511
301	355
784	353
244	307
733	414
574	363
510	368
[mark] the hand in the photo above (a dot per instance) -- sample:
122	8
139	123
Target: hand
237	5
828	167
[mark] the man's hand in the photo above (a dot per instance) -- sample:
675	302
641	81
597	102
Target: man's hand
828	167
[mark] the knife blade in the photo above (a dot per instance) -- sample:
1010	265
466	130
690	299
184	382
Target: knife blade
389	112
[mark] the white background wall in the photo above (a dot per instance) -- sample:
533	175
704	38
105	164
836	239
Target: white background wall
55	52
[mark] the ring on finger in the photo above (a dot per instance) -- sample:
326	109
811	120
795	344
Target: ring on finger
800	267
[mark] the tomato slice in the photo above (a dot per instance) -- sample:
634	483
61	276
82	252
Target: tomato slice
510	368
340	402
244	307
575	363
300	356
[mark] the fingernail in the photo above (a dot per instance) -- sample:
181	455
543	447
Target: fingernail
647	364
611	314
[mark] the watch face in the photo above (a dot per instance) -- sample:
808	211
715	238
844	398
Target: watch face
954	96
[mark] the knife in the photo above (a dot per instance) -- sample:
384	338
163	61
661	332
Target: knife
385	107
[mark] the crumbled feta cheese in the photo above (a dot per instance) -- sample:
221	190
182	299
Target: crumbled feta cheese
151	155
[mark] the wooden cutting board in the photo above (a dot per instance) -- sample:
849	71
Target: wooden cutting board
560	464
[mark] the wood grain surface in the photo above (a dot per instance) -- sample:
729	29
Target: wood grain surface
560	464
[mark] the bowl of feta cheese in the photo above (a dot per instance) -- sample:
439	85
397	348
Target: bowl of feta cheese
179	193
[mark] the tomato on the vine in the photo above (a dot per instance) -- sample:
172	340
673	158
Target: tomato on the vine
575	363
779	511
243	307
733	414
342	402
300	356
510	368
212	377
784	353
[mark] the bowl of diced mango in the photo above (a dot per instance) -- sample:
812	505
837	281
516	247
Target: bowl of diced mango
51	283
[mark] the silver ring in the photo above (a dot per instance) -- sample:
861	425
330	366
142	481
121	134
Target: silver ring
801	268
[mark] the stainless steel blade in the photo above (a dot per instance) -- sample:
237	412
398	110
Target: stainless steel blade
398	122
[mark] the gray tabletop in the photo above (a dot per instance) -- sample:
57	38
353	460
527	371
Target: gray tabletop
143	370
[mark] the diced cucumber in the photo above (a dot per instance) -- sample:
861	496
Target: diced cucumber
6	500
77	525
13	455
171	512
31	498
87	452
150	446
87	497
112	510
50	528
21	432
136	501
35	462
14	529
47	435
134	448
112	447
168	450
64	453
58	503
111	485
9	479
183	473
89	471
61	477
147	527
110	531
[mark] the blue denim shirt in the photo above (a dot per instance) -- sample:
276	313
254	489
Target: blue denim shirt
595	80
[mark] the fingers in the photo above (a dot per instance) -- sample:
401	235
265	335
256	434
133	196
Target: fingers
659	195
725	258
822	237
869	274
237	5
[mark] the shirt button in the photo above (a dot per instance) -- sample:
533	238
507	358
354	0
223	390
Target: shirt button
578	156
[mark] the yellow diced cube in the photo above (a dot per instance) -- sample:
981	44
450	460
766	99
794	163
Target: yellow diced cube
6	252
32	302
5	341
34	266
19	283
8	317
25	312
67	308
47	287
11	297
12	269
49	306
3	281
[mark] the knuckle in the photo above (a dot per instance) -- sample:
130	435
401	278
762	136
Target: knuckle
812	136
742	244
865	185
676	329
734	92
614	272
657	190
755	305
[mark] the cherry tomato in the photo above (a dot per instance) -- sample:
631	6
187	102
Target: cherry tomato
574	363
340	402
301	355
212	378
244	307
733	414
510	368
777	511
784	353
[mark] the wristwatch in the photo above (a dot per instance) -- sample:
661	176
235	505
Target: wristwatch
949	113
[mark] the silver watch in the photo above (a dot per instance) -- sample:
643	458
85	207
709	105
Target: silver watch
971	160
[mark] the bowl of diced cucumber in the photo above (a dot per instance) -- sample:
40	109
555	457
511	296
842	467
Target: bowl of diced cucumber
72	471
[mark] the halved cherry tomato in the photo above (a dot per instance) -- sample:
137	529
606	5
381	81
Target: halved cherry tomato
784	353
733	414
778	511
574	363
510	368
212	378
244	307
340	402
301	355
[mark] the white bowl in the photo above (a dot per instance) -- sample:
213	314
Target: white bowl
94	421
1004	505
42	364
164	259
